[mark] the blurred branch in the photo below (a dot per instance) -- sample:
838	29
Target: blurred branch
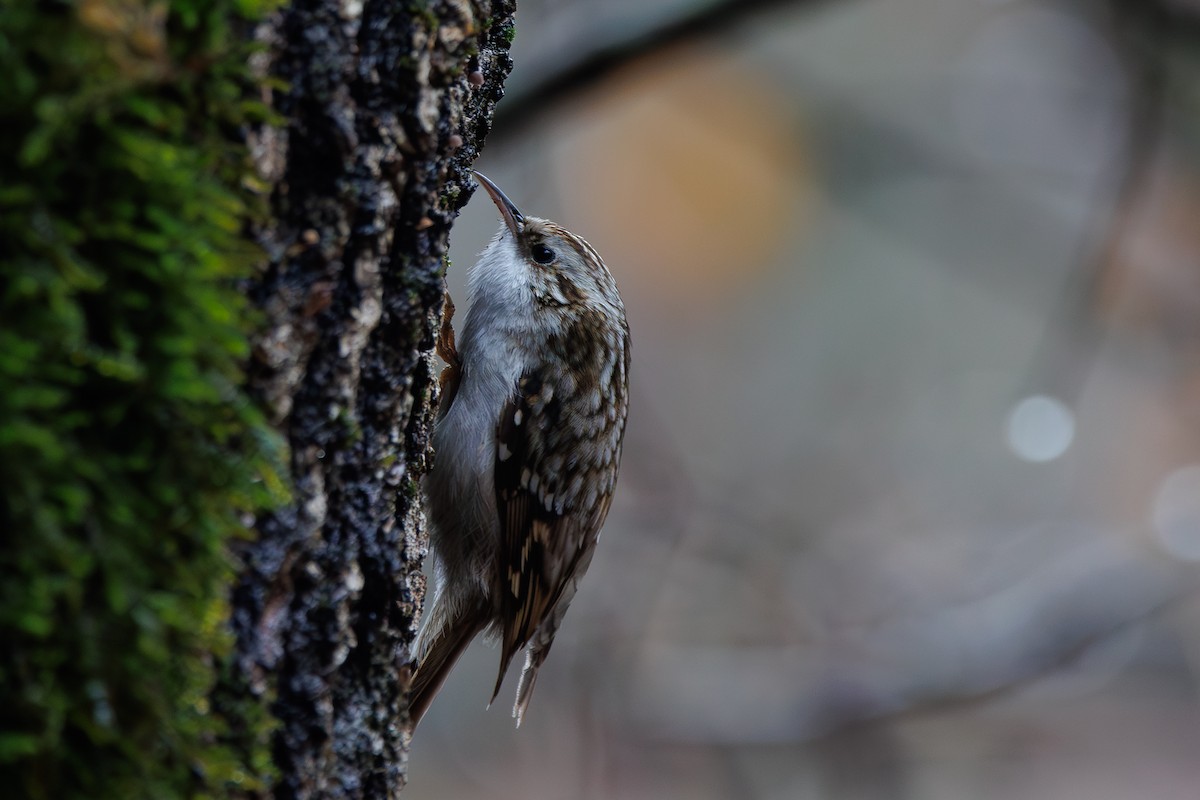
952	656
589	65
1144	31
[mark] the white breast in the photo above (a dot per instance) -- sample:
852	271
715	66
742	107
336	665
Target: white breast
493	355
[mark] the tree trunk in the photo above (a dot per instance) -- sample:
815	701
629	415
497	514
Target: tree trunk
384	107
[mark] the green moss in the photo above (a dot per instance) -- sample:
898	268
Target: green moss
420	9
127	449
449	198
410	490
351	430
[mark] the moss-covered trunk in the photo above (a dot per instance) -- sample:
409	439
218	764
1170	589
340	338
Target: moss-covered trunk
386	106
161	637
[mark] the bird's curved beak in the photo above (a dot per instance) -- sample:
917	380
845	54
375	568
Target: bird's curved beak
512	217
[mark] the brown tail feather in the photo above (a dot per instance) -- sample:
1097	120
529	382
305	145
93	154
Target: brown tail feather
505	659
533	662
439	659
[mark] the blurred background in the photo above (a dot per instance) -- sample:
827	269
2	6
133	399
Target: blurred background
910	502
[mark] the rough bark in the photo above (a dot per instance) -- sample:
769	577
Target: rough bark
384	106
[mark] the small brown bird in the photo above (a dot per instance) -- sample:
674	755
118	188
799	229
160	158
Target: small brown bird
528	443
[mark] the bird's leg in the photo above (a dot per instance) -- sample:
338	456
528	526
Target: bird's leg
446	350
445	341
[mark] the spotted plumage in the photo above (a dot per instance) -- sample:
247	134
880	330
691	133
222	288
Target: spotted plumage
528	446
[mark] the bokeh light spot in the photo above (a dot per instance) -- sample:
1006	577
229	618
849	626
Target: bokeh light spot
1176	513
1040	428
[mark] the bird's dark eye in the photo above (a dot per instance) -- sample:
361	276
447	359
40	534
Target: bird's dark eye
541	254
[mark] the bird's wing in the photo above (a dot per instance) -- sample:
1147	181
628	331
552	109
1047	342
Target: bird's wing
541	538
